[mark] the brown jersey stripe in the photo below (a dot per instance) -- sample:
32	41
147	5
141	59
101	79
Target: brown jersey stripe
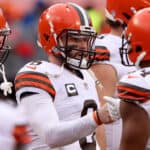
136	91
32	76
102	53
34	79
132	98
127	93
131	86
19	85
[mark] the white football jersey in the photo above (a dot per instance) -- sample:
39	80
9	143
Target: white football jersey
69	92
108	46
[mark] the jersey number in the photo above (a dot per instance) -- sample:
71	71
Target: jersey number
34	64
84	144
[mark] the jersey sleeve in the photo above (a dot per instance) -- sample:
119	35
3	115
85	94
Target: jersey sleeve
31	80
133	88
102	53
44	119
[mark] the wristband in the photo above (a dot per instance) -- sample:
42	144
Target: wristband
96	118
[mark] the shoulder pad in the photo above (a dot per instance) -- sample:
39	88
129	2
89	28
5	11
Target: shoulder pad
133	87
35	80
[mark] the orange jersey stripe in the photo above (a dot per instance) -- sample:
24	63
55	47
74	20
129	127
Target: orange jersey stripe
102	53
133	98
34	76
102	50
35	84
135	91
102	57
34	79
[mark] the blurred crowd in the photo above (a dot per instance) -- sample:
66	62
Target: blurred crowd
22	17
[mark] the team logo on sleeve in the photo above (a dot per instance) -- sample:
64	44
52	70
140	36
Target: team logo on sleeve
71	89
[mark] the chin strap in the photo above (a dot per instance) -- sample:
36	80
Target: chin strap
5	86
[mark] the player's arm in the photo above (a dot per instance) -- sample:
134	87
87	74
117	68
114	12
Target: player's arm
135	126
36	93
45	122
135	118
106	74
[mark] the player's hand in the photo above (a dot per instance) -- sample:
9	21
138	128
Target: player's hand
113	107
104	115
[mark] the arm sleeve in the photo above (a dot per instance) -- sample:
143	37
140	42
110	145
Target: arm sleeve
45	122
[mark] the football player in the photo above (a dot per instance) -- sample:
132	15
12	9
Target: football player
133	89
59	95
108	66
13	126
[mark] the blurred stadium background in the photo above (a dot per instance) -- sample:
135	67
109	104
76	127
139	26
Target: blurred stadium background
22	16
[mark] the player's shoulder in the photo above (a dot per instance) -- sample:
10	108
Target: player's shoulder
39	66
131	76
35	77
107	38
136	78
33	66
106	45
101	39
135	86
